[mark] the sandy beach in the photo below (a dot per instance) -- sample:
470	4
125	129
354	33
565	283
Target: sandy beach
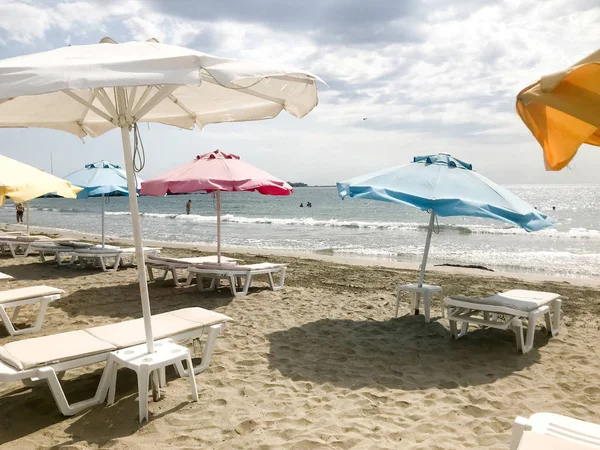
320	364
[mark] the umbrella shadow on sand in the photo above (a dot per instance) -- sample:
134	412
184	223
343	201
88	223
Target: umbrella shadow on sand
403	353
123	301
95	426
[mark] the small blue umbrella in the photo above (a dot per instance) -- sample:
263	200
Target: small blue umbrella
100	179
444	186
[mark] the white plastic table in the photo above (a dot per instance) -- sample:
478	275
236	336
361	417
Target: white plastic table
416	292
143	363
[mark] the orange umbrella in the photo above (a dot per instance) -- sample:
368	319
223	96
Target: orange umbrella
562	110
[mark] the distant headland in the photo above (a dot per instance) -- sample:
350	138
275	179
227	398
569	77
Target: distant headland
296	184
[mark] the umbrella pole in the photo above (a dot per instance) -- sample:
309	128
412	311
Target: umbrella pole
102	220
426	251
27	218
218	226
137	233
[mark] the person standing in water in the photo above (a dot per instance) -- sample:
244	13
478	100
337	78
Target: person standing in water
20	211
188	206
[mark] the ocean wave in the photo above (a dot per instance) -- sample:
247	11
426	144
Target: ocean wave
582	233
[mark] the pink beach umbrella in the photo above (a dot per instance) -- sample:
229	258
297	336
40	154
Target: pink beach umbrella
215	172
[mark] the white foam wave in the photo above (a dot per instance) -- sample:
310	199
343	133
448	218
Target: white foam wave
582	233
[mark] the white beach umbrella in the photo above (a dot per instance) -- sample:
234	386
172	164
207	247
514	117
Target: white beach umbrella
91	89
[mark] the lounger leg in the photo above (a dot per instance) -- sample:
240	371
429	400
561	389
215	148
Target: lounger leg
192	378
553	318
271	283
516	325
464	328
520	425
453	329
233	285
150	273
113	368
209	348
398	292
190	278
282	277
45	301
7	321
65	408
15	313
532	319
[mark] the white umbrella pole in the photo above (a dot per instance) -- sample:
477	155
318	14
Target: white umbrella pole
27	218
135	221
218	227
426	251
103	220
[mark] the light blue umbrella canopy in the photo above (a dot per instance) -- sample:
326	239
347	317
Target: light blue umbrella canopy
448	187
101	178
445	186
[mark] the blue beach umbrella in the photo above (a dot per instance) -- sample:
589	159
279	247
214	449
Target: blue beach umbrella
100	179
444	186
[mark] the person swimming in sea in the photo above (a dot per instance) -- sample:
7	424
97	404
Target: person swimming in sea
301	205
188	206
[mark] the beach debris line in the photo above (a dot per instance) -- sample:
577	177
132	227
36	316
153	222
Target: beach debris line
465	266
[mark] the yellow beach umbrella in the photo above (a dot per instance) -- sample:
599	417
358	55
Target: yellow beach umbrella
562	110
21	182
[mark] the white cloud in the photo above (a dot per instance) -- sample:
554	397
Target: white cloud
449	82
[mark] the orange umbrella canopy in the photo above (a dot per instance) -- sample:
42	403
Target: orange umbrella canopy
562	110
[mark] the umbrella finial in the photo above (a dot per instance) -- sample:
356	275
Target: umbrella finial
107	40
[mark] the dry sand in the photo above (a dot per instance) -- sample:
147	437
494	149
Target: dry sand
321	364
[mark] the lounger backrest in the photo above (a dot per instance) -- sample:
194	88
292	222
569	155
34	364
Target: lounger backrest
13	295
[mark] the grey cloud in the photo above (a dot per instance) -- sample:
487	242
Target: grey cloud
332	21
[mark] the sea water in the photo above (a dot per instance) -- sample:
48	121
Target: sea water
353	227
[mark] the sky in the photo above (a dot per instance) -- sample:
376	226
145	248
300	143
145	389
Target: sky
404	78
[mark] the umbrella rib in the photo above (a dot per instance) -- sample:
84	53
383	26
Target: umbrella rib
179	103
292	79
142	98
155	100
90	106
244	90
105	100
86	109
132	95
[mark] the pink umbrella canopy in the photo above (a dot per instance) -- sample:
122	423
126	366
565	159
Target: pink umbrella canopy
215	171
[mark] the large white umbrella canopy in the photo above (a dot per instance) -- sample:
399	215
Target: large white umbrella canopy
91	89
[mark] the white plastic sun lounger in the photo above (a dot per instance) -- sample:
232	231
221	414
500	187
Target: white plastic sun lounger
172	265
4	277
236	273
506	311
106	254
44	358
20	246
54	249
17	298
553	431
